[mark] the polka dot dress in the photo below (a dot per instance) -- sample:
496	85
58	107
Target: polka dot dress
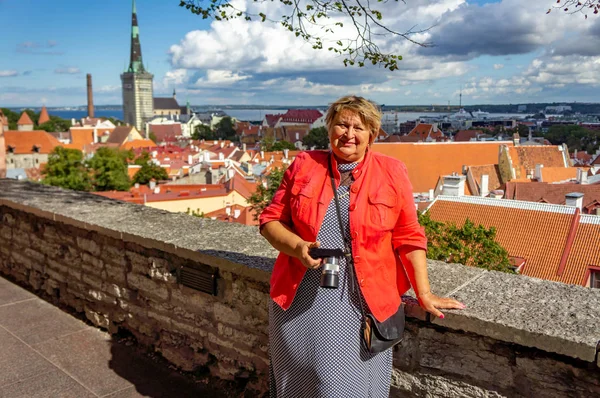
315	345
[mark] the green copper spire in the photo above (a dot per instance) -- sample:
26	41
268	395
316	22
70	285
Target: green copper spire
135	62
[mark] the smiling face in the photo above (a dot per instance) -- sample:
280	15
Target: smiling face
349	137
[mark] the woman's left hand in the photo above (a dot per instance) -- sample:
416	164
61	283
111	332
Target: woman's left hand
430	303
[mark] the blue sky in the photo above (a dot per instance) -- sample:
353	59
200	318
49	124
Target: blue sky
505	51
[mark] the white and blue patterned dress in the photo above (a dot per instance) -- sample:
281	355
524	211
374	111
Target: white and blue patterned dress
315	345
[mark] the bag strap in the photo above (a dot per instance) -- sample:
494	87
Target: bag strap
347	250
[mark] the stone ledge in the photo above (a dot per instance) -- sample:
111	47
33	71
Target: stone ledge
552	317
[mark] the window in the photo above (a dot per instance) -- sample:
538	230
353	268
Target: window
595	279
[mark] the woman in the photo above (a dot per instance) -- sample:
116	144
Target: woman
315	332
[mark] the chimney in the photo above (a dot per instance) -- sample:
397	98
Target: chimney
73	121
95	135
285	153
90	96
147	130
221	156
152	184
431	194
574	199
206	156
516	139
454	185
262	155
538	172
222	144
484	189
582	176
190	159
244	147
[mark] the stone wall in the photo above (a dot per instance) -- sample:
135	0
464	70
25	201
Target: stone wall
117	264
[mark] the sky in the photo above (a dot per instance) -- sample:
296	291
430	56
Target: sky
493	52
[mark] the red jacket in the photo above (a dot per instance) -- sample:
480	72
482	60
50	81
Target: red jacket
382	218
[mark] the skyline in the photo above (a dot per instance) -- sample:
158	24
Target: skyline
495	52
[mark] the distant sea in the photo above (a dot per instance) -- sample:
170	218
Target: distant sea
259	114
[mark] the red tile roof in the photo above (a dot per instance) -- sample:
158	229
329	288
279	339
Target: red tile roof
242	186
166	132
525	158
467	135
44	117
551	193
474	174
245	216
426	162
145	144
535	232
559	174
425	131
308	116
272	119
24	119
24	142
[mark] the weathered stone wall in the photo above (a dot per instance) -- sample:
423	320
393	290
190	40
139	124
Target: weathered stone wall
120	284
116	263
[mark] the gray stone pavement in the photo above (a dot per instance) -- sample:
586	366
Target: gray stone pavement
45	352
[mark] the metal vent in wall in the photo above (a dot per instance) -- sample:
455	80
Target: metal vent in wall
203	281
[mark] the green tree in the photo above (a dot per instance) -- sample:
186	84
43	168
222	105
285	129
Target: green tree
203	132
149	171
55	125
317	21
109	170
576	137
225	129
469	245
263	196
66	169
281	145
317	137
152	136
143	159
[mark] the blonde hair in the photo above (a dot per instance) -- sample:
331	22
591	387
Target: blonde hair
368	112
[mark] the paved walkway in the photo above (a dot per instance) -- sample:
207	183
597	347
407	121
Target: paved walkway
45	352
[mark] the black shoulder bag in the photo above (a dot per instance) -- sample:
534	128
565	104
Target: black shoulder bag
376	336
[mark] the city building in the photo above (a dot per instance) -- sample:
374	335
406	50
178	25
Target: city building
25	123
137	83
28	149
166	106
44	117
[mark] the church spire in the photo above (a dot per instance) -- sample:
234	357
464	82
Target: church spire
135	63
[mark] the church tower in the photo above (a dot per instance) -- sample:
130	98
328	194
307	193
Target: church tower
136	83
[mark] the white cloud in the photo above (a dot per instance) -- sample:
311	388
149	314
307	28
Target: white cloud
220	78
8	73
498	66
67	70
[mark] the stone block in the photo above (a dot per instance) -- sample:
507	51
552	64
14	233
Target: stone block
20	259
189	329
92	261
226	314
57	276
97	318
92	281
116	273
196	302
5	232
20	238
113	255
147	287
101	296
89	246
163	321
139	264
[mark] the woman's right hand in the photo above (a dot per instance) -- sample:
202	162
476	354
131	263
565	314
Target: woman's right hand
302	250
